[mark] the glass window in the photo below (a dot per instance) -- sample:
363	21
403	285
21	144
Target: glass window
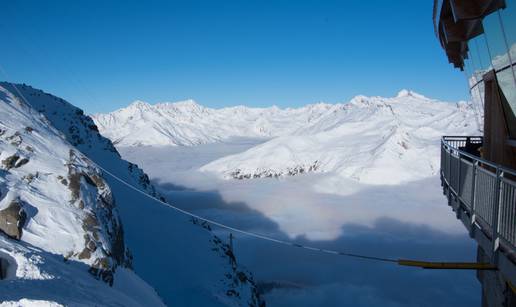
508	16
478	68
475	85
469	70
483	58
480	88
496	41
477	99
474	77
506	82
501	43
507	77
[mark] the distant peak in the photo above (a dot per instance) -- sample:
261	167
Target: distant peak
360	99
409	93
320	104
186	103
139	104
404	93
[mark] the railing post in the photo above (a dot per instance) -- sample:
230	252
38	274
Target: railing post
473	191
448	183
443	163
458	211
448	162
496	215
458	179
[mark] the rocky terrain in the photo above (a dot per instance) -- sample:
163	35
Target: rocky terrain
66	224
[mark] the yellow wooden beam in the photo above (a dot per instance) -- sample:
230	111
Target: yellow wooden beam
513	288
448	265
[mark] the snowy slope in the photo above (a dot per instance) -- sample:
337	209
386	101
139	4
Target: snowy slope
40	278
65	216
371	139
60	191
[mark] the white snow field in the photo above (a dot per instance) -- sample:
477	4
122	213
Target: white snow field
373	140
359	176
74	236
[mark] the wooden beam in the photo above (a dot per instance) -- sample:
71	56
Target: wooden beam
463	30
474	9
448	265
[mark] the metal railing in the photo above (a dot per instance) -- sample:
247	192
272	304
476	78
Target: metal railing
485	190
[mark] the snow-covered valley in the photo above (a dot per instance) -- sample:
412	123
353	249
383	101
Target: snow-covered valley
373	140
402	221
360	176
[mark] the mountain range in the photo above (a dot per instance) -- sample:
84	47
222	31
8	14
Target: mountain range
374	140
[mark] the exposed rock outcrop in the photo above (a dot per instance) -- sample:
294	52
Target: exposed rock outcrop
103	233
272	173
12	219
10	161
237	278
14	161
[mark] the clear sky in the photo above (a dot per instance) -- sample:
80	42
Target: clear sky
102	55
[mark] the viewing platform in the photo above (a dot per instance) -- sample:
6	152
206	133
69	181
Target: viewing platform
483	195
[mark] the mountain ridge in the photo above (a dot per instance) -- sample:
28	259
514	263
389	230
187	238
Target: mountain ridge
404	129
77	213
187	123
373	140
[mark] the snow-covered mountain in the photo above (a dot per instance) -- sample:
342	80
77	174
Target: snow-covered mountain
373	140
59	217
188	123
370	139
65	226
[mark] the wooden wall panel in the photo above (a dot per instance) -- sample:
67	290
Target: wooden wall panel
496	133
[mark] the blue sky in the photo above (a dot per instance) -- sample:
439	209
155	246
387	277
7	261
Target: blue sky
102	55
